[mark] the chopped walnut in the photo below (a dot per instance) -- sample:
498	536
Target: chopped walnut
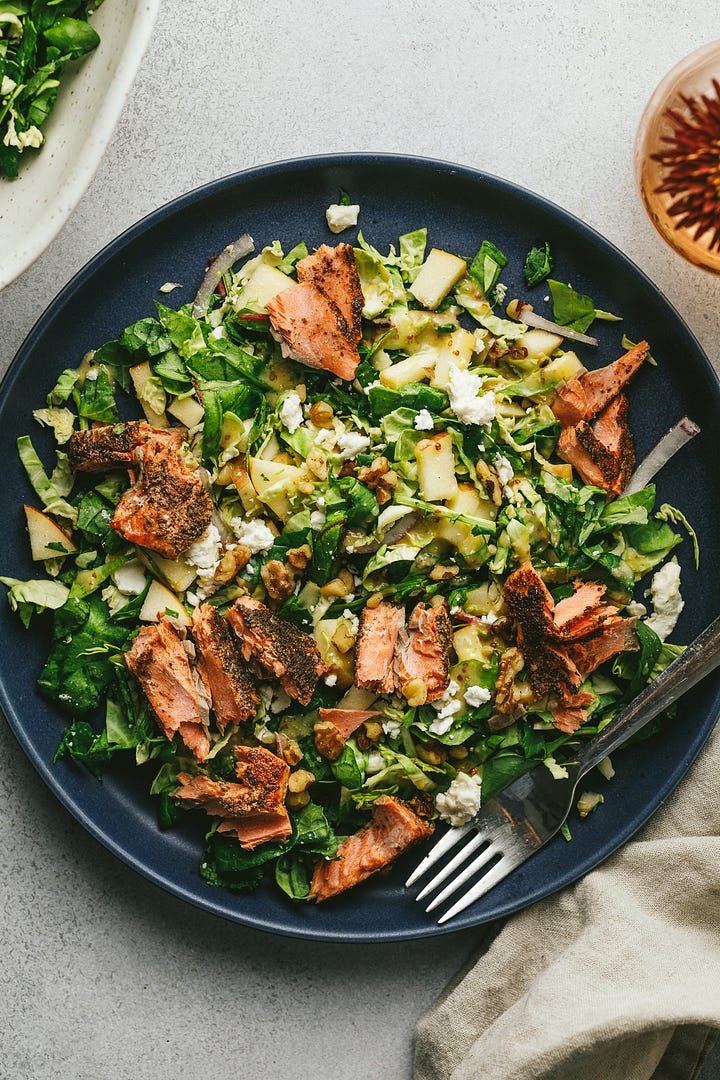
380	478
299	557
321	414
231	563
512	662
329	743
277	579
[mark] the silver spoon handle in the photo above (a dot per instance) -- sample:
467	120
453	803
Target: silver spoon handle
697	661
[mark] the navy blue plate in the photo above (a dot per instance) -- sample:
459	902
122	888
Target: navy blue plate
460	208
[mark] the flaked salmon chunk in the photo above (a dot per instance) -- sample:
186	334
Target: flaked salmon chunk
347	720
159	661
603	452
333	271
312	330
168	508
262	788
423	651
222	668
251	830
584	397
279	647
113	446
375	647
394	828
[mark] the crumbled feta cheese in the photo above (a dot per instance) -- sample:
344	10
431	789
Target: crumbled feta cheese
503	468
280	701
330	680
424	421
92	374
320	500
445	718
666	598
340	217
7	86
464	390
461	801
375	762
392	728
253	534
205	552
546	299
475	696
325	438
130	579
352	620
637	609
192	598
488	619
317	520
500	291
291	414
169	286
351	444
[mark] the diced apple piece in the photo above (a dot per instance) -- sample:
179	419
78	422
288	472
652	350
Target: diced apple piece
467	501
436	277
187	410
244	487
563	368
275	482
140	373
455	348
413	368
563	471
467	644
357	698
176	573
539	343
339	664
264	283
45	532
436	468
161	601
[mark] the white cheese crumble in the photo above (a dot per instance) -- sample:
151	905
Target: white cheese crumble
375	762
280	701
317	520
352	620
205	552
92	374
130	579
330	680
636	608
461	801
351	444
291	414
340	217
447	706
392	728
464	390
253	534
503	468
475	696
666	599
169	286
7	86
424	421
500	291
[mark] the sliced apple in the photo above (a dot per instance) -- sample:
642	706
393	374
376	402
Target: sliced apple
275	482
140	375
264	283
161	601
175	573
47	539
539	343
456	348
436	277
436	468
187	410
413	368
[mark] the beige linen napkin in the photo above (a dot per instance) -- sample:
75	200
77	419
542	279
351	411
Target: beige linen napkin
615	978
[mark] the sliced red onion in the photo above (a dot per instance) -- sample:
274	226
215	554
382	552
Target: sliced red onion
681	433
392	534
218	266
523	312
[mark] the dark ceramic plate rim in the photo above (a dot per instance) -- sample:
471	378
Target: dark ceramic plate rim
204	897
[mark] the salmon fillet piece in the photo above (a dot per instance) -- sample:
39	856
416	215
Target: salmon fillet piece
264	774
423	650
550	668
255	829
587	395
222	668
168	508
571	713
347	720
159	661
530	603
375	647
113	446
334	273
279	647
394	828
603	453
221	798
312	330
616	635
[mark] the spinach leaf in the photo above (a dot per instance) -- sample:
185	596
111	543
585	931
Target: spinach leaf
415	396
73	37
486	267
571	308
94	400
538	265
146	337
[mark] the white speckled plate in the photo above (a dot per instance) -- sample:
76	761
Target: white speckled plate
35	206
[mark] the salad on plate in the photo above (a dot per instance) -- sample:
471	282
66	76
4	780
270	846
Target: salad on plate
343	548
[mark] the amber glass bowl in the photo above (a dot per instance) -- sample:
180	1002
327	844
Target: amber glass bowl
677	158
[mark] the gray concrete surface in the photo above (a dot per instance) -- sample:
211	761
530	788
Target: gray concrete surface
102	975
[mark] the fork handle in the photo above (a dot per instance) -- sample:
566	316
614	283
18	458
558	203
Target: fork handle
697	661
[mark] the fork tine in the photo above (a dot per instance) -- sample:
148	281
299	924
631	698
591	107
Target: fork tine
462	856
496	874
489	853
444	844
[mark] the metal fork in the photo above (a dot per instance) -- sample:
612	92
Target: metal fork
516	823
